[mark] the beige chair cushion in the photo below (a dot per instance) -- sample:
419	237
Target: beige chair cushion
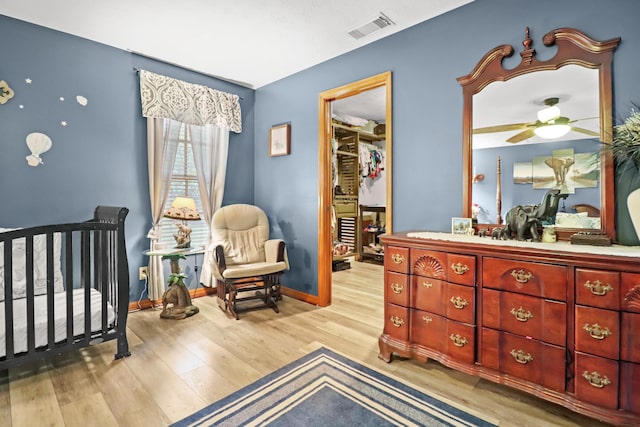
254	269
241	230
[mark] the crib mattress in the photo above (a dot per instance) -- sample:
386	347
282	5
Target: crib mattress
60	315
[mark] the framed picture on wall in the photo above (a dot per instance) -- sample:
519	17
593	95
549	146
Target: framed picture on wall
280	140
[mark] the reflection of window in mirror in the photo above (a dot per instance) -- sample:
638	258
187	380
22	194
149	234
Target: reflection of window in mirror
505	118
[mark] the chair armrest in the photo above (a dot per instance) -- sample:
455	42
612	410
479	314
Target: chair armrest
275	250
219	263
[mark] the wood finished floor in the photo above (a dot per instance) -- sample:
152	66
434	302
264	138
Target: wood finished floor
178	367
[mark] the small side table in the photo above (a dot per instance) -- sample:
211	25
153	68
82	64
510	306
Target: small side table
177	293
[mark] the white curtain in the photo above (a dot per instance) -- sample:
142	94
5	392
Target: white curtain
210	148
167	103
162	143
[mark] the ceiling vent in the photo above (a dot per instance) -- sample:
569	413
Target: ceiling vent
376	23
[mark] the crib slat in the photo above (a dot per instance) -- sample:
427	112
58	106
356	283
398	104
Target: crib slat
30	292
69	282
8	298
86	283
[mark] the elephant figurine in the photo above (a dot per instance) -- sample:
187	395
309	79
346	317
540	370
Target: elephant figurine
524	220
498	233
525	226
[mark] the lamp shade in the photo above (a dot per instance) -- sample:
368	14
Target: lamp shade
183	208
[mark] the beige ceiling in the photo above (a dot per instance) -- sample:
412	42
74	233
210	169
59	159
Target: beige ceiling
250	42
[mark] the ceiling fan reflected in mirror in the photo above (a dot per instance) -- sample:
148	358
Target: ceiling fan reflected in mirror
550	125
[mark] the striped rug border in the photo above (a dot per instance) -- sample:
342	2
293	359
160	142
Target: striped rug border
272	396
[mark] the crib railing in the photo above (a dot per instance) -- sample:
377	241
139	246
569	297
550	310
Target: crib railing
66	287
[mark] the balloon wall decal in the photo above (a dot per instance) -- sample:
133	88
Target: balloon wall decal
38	143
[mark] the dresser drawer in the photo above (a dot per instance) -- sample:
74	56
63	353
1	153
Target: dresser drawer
429	294
396	259
598	288
525	315
541	280
597	331
429	264
529	359
629	386
461	341
630	337
460	303
630	292
596	380
462	269
396	321
396	289
428	329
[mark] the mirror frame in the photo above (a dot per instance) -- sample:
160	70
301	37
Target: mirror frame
573	47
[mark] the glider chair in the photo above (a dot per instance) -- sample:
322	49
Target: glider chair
247	264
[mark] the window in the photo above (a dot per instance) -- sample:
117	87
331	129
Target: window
184	182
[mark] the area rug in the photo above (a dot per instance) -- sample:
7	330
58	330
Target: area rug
326	389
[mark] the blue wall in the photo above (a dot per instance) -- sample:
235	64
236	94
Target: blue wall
100	157
427	110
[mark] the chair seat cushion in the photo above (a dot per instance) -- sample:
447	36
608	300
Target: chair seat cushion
253	269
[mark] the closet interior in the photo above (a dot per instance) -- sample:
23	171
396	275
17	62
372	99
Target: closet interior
359	189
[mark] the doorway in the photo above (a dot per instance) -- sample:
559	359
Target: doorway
325	180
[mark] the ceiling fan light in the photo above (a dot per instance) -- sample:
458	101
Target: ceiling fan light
547	114
552	131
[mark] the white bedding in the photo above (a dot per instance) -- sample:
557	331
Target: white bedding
60	314
39	266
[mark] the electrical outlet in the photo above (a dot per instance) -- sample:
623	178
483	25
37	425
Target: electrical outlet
143	273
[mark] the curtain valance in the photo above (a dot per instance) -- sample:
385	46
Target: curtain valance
165	97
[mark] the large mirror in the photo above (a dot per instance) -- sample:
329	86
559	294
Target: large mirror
532	134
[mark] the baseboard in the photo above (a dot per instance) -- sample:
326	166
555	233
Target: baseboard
204	291
302	296
147	303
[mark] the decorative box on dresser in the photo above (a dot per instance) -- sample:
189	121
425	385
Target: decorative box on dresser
556	320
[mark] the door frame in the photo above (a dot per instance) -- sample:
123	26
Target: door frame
325	187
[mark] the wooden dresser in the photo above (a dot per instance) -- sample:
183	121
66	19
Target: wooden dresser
561	322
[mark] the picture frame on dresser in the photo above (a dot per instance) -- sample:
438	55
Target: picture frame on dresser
461	226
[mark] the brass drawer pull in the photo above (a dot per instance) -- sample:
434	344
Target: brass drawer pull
458	340
398	259
396	288
597	288
521	315
521	357
596	331
427	319
427	284
595	379
459	302
521	276
459	268
396	321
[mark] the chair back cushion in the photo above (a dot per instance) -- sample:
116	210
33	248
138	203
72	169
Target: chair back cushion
242	231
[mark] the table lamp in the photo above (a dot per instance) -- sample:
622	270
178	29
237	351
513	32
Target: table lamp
184	209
